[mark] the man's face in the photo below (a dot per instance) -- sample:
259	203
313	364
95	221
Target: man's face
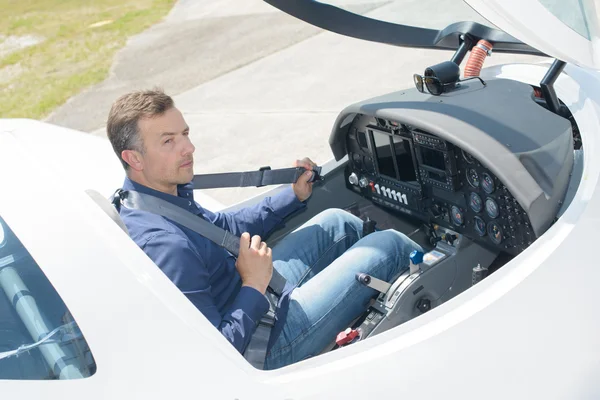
167	158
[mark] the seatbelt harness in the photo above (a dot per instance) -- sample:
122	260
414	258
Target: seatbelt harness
256	350
264	176
231	243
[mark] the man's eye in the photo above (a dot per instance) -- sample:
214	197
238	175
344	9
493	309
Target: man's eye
168	141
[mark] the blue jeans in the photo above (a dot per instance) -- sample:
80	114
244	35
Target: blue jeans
321	259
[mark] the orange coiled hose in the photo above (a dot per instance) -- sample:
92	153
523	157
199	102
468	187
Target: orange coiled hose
477	58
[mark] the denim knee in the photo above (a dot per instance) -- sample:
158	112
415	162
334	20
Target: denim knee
393	242
339	218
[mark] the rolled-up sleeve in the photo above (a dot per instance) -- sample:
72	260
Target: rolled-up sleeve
175	256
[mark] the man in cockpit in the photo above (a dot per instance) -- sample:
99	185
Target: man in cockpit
319	260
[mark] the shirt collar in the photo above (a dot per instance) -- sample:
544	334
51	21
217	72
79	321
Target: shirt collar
184	198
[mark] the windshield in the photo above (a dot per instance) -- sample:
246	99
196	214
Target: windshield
38	337
576	14
421	13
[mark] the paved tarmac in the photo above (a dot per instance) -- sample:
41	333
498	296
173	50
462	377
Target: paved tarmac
258	87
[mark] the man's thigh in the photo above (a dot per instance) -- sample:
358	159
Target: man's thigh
306	251
326	304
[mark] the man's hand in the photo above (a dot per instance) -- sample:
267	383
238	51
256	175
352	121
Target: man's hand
302	188
254	263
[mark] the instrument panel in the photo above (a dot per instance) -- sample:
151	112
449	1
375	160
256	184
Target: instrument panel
410	171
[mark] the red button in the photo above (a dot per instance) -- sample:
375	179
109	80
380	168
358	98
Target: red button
346	336
372	184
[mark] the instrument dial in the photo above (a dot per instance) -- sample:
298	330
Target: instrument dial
495	232
357	160
475	202
473	177
491	207
479	226
487	183
457	216
468	158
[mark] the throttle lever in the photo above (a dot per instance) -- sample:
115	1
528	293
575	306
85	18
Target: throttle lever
373	283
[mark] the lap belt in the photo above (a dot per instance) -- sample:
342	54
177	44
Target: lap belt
264	176
256	350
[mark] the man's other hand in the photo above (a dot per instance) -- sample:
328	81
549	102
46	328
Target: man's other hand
255	262
303	188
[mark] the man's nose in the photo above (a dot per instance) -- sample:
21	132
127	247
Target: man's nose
189	147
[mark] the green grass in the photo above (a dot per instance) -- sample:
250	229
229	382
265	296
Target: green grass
73	55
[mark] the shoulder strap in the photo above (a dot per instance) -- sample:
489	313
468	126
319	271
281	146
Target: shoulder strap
141	201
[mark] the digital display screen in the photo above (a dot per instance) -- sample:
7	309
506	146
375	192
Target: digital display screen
433	158
436	177
404	159
383	152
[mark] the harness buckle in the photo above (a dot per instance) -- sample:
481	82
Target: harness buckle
262	169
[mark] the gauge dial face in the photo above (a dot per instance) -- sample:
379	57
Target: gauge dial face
491	207
468	158
495	232
479	226
472	177
357	160
487	183
475	202
457	216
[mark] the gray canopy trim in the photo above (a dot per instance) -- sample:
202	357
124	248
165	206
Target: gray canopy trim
346	23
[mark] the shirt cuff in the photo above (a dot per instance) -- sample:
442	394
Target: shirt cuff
285	202
252	302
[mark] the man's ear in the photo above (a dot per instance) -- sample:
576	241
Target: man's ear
133	158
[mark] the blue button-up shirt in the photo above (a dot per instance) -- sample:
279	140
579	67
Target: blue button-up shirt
202	270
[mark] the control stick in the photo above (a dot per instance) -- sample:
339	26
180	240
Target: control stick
368	226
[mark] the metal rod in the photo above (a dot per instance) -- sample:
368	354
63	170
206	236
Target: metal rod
462	50
25	306
547	87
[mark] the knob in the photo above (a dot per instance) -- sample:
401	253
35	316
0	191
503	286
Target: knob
416	257
363	183
424	305
377	188
389	192
383	191
353	179
394	195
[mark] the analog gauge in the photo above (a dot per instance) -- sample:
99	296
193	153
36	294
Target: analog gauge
357	160
475	202
495	232
473	177
468	158
479	226
457	216
487	183
491	207
369	166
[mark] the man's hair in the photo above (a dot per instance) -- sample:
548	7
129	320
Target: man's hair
122	124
